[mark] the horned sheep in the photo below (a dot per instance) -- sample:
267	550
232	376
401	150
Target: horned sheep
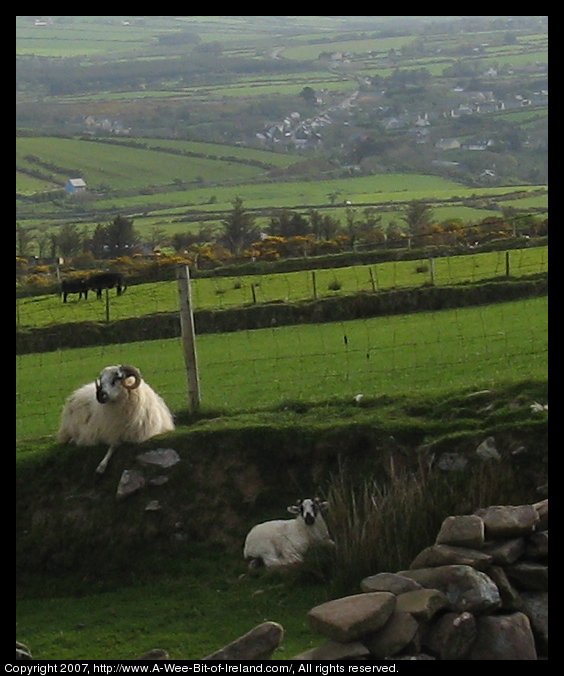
118	407
284	542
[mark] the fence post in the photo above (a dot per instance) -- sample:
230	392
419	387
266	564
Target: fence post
313	281
507	272
372	280
432	270
107	305
253	291
188	337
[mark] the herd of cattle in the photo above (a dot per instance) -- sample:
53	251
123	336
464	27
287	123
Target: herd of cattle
96	282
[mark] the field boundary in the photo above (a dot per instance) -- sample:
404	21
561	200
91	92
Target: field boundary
268	315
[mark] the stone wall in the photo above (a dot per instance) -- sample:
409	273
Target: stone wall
479	593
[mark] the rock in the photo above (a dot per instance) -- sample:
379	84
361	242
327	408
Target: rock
462	531
537	545
508	521
452	462
465	588
131	481
451	636
332	650
541	508
444	555
421	603
22	652
535	607
528	576
153	506
419	656
398	632
161	457
348	618
510	597
504	637
487	450
158	480
155	654
257	644
505	552
390	582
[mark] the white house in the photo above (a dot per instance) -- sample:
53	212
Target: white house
75	185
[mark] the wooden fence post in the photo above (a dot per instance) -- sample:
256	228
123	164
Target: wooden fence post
507	269
188	337
107	305
314	283
432	270
373	280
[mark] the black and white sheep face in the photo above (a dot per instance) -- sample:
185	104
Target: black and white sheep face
114	381
308	509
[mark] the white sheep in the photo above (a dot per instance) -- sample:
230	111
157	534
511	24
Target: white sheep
284	542
118	407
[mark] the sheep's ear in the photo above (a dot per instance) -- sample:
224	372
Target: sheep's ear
294	509
323	506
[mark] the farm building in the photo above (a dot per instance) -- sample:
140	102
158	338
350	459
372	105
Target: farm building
75	185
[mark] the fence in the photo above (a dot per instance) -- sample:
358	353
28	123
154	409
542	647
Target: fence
459	348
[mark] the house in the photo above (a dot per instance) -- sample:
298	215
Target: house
447	144
74	186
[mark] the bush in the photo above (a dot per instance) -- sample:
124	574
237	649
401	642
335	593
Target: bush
335	285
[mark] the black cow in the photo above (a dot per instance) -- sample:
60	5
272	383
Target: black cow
79	286
106	280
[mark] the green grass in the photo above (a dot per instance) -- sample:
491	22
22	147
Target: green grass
252	370
223	292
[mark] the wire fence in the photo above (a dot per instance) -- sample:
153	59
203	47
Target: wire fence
287	366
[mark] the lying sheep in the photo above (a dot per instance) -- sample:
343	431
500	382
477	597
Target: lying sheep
284	542
118	407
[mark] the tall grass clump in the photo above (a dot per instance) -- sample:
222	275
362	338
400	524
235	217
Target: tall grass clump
381	524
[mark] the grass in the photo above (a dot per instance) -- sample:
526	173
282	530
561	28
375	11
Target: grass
223	292
253	370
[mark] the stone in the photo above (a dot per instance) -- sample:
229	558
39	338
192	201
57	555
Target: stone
537	545
452	462
130	482
503	637
398	633
418	656
508	521
541	508
257	644
462	531
421	603
155	654
535	607
444	555
451	636
465	588
510	597
505	552
158	480
161	457
153	506
332	650
487	450
350	617
528	576
390	582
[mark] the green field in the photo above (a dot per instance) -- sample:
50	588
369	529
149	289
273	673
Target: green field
223	292
249	370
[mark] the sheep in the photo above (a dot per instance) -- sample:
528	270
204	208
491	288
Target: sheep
118	407
284	542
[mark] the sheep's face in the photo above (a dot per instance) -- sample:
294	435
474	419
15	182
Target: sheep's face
114	382
308	509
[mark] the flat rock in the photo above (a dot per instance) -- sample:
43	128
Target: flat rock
421	603
465	588
398	633
537	545
348	618
510	597
487	450
130	482
451	636
390	582
462	531
505	552
541	509
535	607
528	576
257	644
507	521
445	555
503	637
332	650
160	457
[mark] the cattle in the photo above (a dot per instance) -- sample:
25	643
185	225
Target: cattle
79	286
106	280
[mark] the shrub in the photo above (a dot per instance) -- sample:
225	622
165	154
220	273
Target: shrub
335	285
422	268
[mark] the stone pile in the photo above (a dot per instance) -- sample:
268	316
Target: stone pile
479	593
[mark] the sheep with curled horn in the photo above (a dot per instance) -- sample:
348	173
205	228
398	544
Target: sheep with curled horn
284	542
119	406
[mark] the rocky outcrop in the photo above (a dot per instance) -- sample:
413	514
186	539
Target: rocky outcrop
479	593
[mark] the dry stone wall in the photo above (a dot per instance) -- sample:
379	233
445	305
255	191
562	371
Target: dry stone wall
479	593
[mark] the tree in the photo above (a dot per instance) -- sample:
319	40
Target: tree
418	217
122	236
308	95
24	237
288	223
239	228
69	240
